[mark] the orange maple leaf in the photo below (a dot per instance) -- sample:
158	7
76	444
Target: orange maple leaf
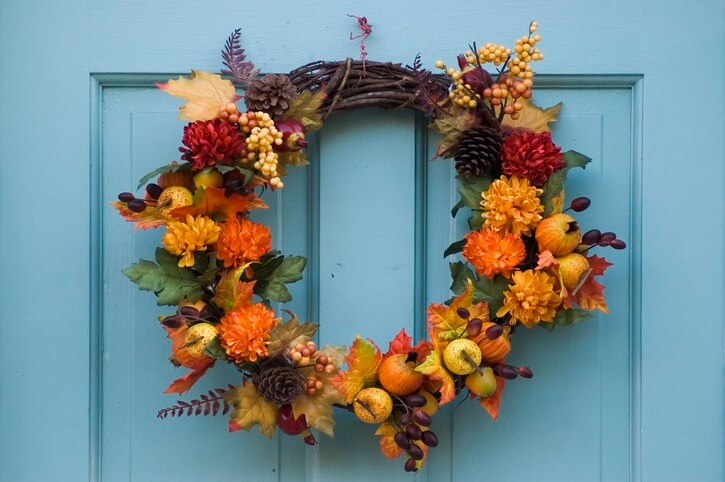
183	384
546	259
363	361
444	322
180	355
149	218
388	447
590	295
492	403
212	202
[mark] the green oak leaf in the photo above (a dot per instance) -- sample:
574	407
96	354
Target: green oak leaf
275	273
470	189
490	291
170	283
571	316
460	273
454	248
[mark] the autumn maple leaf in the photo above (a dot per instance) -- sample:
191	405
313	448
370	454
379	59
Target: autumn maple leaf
492	403
214	203
251	409
533	117
230	292
149	218
439	378
402	344
363	361
205	94
590	295
390	449
180	355
445	323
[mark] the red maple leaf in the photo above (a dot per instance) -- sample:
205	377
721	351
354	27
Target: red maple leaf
401	344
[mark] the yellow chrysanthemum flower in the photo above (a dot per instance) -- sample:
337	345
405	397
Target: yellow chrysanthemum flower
188	236
512	205
531	298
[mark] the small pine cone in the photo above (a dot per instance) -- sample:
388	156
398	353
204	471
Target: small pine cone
271	94
479	152
279	385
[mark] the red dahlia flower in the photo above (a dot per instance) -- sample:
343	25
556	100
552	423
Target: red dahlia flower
531	155
211	142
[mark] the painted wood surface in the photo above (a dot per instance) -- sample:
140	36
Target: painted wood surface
636	395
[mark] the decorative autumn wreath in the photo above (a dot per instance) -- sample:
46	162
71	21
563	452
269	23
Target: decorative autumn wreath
526	261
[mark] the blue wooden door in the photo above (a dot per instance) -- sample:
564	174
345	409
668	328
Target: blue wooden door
635	395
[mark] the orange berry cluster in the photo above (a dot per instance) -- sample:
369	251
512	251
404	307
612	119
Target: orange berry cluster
520	65
324	364
262	138
515	79
313	385
302	353
494	53
510	89
230	113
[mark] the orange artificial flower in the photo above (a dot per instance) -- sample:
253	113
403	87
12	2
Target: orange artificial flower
492	252
512	205
244	332
186	237
242	241
531	298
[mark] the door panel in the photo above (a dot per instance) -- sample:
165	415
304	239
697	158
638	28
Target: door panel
356	212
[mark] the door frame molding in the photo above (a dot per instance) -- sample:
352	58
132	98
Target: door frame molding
101	81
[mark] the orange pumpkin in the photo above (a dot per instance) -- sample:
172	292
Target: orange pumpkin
398	376
493	351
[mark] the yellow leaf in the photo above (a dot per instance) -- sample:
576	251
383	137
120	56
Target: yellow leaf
251	409
230	292
205	94
388	447
557	203
444	322
318	407
533	117
436	372
305	108
451	128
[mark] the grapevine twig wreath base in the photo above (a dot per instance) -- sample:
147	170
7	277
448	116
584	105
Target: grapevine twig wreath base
524	262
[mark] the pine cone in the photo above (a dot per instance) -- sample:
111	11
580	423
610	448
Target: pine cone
479	152
271	94
279	385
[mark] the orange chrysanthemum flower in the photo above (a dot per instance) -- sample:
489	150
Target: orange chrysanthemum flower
512	204
531	298
492	252
242	241
186	237
244	332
